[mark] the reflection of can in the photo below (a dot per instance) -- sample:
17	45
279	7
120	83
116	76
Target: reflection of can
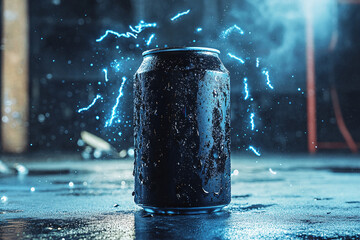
182	131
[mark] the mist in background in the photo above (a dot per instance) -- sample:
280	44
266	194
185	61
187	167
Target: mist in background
67	66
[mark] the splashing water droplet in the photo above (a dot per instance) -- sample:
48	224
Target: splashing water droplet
4	199
272	171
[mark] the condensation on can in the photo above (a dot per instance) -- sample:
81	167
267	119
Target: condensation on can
182	131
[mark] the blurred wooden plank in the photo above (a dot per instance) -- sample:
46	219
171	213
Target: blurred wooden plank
15	76
310	79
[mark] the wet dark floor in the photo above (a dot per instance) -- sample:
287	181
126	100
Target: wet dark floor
273	197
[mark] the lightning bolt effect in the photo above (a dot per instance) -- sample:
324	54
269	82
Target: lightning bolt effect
236	58
179	15
141	26
246	90
125	35
106	74
227	32
91	104
148	42
134	31
266	73
252	115
256	152
113	112
119	65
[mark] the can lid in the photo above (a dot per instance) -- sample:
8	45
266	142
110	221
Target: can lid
180	49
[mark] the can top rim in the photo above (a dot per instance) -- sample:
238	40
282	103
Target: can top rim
180	49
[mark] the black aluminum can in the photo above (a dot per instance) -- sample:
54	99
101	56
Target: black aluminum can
182	131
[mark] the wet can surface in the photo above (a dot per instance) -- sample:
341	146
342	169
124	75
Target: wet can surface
182	131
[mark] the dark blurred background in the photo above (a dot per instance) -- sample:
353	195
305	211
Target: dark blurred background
66	63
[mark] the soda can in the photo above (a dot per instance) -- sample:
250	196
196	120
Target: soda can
182	131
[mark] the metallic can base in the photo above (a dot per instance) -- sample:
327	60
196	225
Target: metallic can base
182	211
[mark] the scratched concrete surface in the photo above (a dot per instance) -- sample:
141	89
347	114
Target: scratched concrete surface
308	197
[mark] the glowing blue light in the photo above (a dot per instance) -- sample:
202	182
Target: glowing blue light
252	115
106	74
199	29
179	15
91	104
246	89
125	35
255	151
148	42
225	33
135	30
235	57
257	62
113	113
266	73
141	26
